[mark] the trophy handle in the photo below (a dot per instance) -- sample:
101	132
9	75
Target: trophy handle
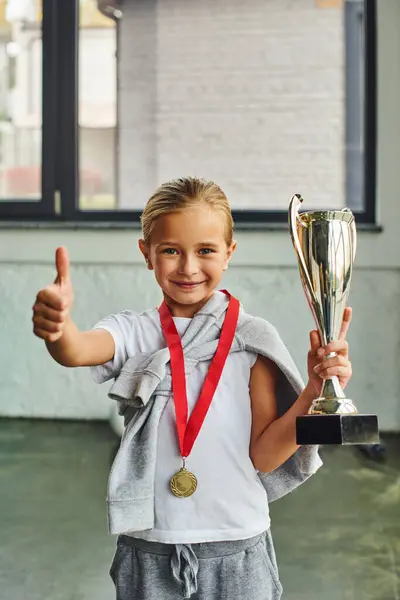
353	233
295	202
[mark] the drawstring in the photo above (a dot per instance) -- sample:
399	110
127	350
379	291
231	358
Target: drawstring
185	566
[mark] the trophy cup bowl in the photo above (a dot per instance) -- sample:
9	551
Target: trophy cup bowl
325	245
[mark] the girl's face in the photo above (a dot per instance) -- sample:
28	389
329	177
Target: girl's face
188	253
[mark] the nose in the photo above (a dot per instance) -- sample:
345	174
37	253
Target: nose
188	265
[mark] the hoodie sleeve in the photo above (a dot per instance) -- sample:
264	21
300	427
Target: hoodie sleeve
292	473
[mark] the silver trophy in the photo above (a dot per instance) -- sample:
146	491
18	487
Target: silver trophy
325	244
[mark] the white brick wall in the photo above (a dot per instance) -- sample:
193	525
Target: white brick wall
247	93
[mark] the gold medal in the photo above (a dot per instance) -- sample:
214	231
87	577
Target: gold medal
183	484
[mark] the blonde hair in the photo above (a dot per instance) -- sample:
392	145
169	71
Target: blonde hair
182	193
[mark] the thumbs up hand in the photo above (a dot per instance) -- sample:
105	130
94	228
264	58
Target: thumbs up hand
54	302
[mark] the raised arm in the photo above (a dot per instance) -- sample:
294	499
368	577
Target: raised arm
273	439
53	324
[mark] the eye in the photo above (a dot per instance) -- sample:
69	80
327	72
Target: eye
170	251
207	251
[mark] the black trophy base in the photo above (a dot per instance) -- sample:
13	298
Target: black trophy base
337	429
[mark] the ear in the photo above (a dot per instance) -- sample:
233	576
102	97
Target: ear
144	249
229	253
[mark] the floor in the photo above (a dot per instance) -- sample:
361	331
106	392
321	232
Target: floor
337	537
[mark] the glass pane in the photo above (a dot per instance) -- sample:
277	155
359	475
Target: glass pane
97	108
20	100
253	96
265	98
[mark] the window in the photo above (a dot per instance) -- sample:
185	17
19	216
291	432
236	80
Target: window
97	93
268	100
22	66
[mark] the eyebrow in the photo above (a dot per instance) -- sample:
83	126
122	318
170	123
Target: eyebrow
170	243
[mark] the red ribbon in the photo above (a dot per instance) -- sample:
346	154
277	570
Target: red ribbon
189	430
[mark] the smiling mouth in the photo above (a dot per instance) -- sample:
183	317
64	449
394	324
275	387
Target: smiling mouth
187	285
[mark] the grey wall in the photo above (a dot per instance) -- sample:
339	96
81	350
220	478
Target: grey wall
109	276
250	94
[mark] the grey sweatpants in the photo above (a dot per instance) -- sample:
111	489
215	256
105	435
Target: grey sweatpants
235	570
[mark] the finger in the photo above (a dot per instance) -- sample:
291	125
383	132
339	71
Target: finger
347	314
338	346
335	361
315	342
52	297
62	265
46	336
42	310
344	372
45	325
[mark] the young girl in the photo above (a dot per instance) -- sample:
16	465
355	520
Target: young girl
210	397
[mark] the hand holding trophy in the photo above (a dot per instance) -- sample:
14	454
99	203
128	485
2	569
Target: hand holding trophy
325	244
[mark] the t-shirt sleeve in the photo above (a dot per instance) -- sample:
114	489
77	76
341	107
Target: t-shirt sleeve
252	358
121	327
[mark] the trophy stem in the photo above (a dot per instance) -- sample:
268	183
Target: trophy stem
332	390
332	400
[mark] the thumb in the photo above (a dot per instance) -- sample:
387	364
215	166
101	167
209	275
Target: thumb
62	265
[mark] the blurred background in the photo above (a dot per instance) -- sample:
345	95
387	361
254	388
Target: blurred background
101	101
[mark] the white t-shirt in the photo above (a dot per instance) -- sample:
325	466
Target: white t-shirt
230	502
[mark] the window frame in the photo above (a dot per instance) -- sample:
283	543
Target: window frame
60	138
44	207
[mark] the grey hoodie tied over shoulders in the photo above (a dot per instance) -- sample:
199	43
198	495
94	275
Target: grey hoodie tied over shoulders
142	389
